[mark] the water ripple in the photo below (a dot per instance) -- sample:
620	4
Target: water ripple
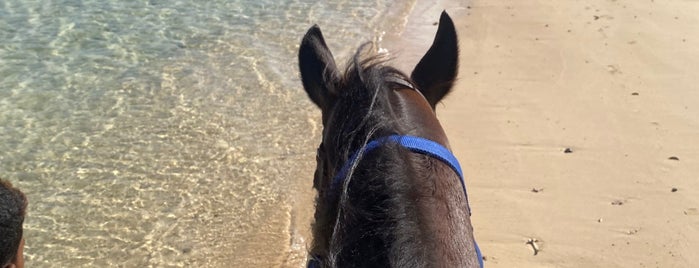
165	133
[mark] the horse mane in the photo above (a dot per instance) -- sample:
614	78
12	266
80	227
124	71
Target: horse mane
376	224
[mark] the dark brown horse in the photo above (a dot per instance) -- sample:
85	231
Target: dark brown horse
390	193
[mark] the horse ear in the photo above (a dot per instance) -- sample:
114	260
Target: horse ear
318	70
436	71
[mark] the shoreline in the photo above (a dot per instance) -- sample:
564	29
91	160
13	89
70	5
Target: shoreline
407	47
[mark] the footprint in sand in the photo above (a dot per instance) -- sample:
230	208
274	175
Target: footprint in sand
613	69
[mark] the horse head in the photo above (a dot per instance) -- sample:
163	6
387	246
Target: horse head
391	212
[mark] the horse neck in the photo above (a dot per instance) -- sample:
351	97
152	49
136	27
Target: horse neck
417	117
419	214
408	211
441	206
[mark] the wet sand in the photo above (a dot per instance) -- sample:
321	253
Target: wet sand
577	124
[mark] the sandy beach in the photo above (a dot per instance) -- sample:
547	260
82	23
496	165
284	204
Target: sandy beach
577	124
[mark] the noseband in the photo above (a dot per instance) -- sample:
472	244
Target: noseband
416	145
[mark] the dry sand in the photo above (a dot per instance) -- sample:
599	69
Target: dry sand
615	82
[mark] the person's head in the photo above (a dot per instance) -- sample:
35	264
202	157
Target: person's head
13	205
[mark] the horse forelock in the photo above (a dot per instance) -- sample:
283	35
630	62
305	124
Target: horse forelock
363	102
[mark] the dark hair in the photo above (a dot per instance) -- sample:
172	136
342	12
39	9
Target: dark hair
13	206
380	222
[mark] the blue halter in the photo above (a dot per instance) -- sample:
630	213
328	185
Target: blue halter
414	144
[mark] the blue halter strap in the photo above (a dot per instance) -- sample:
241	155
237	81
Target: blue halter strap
414	144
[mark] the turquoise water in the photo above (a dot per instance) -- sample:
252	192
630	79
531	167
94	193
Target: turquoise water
166	133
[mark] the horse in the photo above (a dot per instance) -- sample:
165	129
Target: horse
389	191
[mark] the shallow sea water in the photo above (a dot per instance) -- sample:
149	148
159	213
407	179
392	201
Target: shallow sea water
167	133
